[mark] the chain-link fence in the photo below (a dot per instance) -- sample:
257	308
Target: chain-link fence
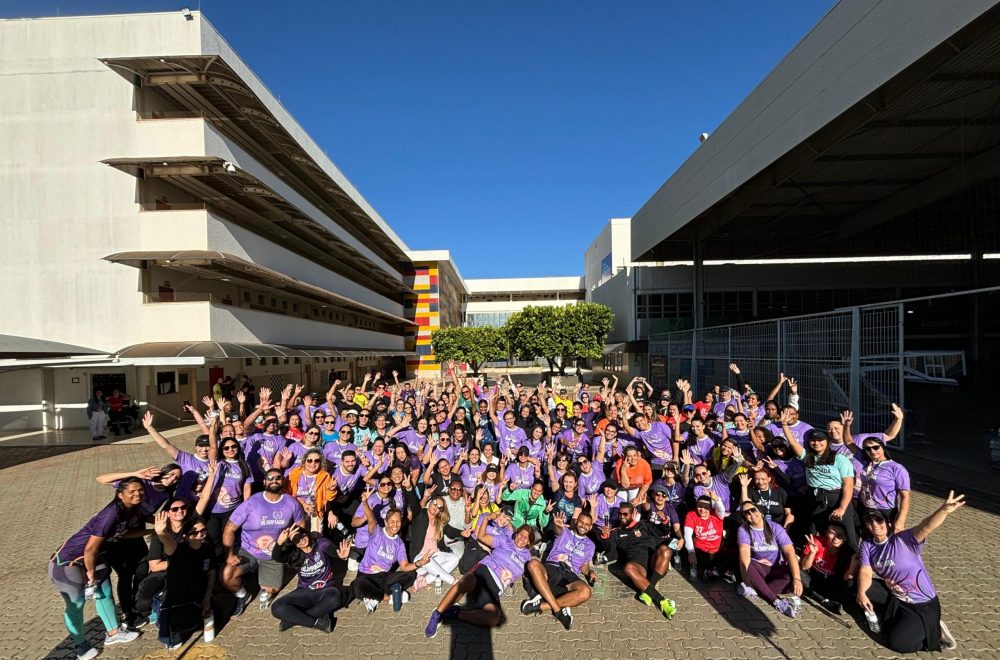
845	359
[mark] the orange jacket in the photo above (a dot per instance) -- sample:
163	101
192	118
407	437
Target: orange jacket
323	483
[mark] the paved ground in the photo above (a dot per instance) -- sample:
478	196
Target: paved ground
712	622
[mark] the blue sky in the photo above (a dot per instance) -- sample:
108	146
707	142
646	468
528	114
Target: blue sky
506	132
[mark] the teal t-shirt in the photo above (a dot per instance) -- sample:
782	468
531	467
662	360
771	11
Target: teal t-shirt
828	477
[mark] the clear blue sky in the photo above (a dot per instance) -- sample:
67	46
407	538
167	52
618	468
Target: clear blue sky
506	132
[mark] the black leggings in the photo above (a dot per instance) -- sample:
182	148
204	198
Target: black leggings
216	525
908	628
377	585
126	558
823	503
473	554
302	607
831	587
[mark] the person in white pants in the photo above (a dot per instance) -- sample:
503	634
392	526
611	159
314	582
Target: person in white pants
428	541
440	566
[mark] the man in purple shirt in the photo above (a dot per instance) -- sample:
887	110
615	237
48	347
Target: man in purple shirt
486	582
904	598
259	520
557	585
656	439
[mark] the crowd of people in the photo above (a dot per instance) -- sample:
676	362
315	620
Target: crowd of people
378	492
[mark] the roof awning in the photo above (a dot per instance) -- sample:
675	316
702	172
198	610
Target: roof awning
204	85
220	265
614	348
14	347
220	350
247	201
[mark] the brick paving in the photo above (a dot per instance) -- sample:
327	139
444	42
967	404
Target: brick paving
712	621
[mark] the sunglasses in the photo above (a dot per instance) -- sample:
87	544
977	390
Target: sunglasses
659	494
748	512
312	460
384	484
230	448
176	509
198	532
272	479
312	432
702	506
873	447
330	423
455	488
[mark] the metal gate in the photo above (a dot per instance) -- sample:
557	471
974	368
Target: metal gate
845	359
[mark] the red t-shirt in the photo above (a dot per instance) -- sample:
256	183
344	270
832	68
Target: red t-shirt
702	409
707	532
116	402
822	562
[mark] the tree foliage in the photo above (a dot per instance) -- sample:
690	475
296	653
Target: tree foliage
474	345
559	333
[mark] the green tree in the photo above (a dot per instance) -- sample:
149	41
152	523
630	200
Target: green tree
559	334
474	345
586	327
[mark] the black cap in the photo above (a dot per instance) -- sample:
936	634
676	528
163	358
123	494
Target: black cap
202	441
609	484
818	434
492	467
507	510
523	451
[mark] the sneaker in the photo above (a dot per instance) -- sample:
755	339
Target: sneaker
240	605
729	577
173	647
431	631
531	605
565	617
644	598
601	558
324	623
284	625
405	596
746	591
786	607
138	621
711	575
948	642
264	599
371	605
86	652
668	608
121	637
352	565
831	606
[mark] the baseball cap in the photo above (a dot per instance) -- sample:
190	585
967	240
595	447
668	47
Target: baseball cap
523	451
609	484
687	408
201	441
818	434
658	488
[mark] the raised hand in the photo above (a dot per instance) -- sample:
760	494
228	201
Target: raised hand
954	502
897	412
265	395
395	375
847	417
241	397
208	401
286	391
734	368
147	420
744	479
686	457
344	549
548	507
812	543
793	385
160	521
148	473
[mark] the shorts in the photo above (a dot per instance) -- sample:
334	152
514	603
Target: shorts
487	591
560	578
638	555
270	574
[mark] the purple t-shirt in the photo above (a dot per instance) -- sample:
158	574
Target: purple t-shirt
316	571
588	484
510	440
656	440
700	450
334	451
346	482
574	445
374	460
414	442
382	553
799	430
665	517
261	521
606	513
719	487
260	450
447	453
229	486
470	474
675	491
506	561
898	561
572	549
378	507
760	549
881	483
522	477
536	448
109	523
194	474
796	471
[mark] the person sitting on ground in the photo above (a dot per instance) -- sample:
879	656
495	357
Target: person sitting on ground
768	564
314	600
644	556
557	585
385	572
828	566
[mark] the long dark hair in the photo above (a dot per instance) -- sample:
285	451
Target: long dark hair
241	459
768	534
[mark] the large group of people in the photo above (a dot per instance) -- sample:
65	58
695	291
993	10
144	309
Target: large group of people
383	492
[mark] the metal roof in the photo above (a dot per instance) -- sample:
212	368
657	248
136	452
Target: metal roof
884	107
219	350
207	86
241	197
13	346
219	265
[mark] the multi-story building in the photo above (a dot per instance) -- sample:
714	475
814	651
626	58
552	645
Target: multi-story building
491	301
162	206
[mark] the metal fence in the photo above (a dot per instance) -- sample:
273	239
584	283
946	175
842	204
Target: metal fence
845	359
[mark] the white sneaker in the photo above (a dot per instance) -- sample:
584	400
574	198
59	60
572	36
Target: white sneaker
746	590
371	605
89	654
948	642
352	565
121	637
405	597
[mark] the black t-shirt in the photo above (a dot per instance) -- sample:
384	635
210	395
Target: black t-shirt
770	502
641	536
565	506
187	573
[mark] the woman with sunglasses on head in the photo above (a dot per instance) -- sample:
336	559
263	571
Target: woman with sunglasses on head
768	564
80	571
430	534
828	566
315	598
830	477
903	600
312	486
190	577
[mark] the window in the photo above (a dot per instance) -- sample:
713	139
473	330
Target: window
166	382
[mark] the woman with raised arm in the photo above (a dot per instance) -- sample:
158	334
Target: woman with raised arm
903	600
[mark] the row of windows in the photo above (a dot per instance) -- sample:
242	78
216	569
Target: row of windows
527	296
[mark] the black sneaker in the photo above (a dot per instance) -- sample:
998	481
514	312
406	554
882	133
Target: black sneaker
729	577
565	618
240	605
831	606
324	623
532	605
284	625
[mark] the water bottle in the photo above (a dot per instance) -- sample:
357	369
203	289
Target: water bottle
437	585
873	623
154	610
209	629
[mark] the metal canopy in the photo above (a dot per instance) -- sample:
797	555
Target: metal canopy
244	199
15	347
207	86
220	350
930	132
219	265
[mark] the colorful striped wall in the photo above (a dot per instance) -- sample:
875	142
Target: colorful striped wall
423	309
